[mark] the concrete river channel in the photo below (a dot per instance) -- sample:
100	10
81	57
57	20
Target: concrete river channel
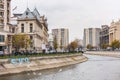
96	68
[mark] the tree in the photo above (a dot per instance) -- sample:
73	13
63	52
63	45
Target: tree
115	44
104	46
61	44
20	41
79	44
89	46
73	45
55	43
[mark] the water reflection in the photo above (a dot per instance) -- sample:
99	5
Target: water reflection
97	68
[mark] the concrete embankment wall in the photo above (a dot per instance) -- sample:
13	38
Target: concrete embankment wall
105	53
39	63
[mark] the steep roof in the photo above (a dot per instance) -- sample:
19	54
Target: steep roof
27	15
36	13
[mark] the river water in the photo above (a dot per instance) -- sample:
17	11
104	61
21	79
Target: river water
96	68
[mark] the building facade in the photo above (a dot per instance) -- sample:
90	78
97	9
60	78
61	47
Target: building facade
114	31
104	35
91	36
50	40
30	23
5	13
80	42
62	36
5	35
35	26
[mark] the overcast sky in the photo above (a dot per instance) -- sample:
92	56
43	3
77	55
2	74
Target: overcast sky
73	14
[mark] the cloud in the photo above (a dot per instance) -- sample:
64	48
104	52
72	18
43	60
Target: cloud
74	14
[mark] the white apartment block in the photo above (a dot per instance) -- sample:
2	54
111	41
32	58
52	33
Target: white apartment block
50	40
92	37
62	36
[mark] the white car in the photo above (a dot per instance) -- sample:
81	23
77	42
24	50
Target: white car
1	52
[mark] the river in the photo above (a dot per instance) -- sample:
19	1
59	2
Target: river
96	68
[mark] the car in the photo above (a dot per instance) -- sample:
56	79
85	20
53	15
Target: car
1	53
52	51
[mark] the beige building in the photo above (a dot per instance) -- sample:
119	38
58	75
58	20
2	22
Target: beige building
92	37
5	7
5	35
30	23
34	25
62	36
114	31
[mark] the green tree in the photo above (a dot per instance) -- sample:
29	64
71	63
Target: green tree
21	41
55	43
115	44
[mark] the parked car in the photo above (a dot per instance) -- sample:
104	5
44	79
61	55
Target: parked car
52	51
1	53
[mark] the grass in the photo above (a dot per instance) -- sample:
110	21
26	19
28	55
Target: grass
37	55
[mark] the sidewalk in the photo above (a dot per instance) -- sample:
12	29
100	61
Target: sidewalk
104	53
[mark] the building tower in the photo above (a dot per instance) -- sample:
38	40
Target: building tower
92	37
62	36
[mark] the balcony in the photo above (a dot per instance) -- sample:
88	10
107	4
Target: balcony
1	17
1	9
1	2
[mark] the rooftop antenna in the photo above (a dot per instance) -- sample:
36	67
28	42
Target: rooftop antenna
35	6
27	3
112	20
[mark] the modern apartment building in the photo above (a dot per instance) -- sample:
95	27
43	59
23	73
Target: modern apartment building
62	36
91	36
50	40
114	31
104	35
5	13
35	26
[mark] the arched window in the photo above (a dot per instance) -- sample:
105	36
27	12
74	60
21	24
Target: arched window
2	38
31	27
22	28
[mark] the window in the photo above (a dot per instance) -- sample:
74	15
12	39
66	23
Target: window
2	38
26	13
31	37
13	30
22	28
31	27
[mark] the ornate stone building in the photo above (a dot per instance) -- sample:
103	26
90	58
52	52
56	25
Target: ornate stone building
34	25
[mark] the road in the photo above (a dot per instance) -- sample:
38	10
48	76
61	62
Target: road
96	68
